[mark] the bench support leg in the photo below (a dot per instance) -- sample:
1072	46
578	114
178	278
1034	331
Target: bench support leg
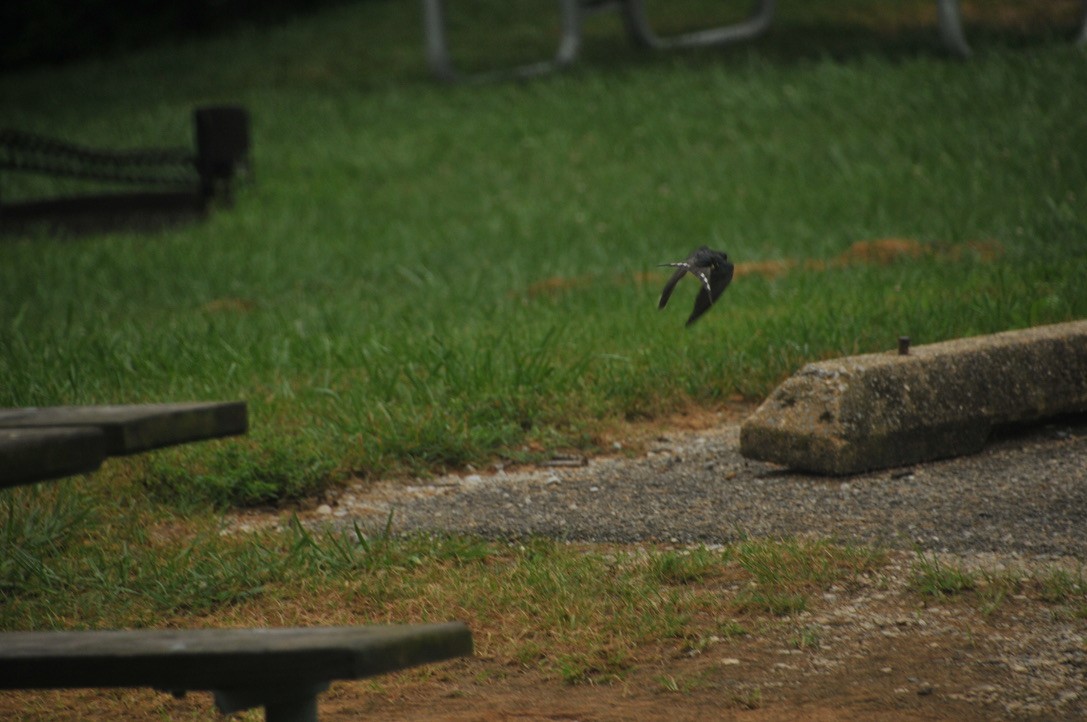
281	704
300	710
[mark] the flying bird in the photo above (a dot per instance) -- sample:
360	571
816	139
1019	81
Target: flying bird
710	267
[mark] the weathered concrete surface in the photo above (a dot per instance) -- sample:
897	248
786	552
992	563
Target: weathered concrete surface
873	411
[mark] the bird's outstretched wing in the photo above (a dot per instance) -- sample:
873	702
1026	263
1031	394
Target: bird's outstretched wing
681	269
720	277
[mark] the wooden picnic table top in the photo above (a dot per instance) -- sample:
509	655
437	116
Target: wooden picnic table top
222	659
43	443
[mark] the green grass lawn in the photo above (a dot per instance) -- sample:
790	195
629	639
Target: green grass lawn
425	276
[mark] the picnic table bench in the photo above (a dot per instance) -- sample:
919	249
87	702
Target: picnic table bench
282	669
571	13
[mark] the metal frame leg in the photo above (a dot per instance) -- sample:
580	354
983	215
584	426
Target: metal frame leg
1082	39
950	19
955	40
638	27
437	44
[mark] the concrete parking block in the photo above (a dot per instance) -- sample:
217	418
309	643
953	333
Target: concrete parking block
874	411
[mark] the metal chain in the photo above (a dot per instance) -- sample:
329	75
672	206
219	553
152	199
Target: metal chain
29	152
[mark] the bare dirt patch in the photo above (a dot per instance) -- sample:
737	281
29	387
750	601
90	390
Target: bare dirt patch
877	652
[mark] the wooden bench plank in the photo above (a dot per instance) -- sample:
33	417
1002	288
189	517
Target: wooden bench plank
222	659
134	428
30	455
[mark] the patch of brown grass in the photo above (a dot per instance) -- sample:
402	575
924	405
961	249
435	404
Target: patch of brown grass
229	305
877	252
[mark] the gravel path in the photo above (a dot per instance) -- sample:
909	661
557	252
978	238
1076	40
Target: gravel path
1026	494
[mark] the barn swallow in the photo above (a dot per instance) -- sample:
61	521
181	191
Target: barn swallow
710	267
